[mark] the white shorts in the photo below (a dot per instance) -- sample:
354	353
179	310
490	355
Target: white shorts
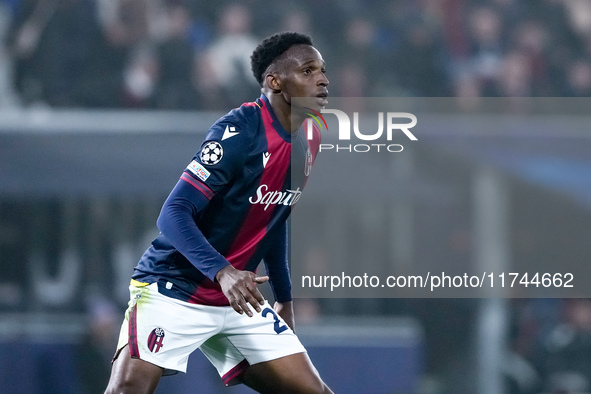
165	331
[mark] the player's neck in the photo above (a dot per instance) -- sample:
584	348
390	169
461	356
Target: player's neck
289	121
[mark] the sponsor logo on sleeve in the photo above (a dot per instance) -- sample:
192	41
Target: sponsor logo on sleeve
199	171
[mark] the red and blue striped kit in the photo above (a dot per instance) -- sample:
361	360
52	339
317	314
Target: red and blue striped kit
231	206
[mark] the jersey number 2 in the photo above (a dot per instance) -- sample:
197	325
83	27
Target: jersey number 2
279	328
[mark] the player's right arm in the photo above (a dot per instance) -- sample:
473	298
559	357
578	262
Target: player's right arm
176	222
206	176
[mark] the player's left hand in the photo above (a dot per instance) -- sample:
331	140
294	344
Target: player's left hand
285	310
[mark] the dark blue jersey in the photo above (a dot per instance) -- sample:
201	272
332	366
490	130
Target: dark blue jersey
230	206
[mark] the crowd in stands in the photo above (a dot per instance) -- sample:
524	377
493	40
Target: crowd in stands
192	55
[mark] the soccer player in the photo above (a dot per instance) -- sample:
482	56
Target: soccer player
195	287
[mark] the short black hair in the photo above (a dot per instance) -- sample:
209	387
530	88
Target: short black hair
271	48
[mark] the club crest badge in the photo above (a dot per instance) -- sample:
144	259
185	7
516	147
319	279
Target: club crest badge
156	339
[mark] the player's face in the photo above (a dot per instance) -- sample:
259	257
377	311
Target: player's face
304	75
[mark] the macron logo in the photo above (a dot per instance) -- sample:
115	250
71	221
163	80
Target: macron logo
229	132
266	157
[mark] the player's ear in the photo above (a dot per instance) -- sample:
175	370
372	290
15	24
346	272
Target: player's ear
273	82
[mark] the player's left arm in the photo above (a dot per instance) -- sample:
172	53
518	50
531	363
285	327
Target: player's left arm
277	264
285	310
277	259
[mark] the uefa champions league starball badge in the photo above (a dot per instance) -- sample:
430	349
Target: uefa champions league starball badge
211	153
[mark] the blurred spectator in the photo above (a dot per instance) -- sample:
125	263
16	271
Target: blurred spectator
175	56
135	53
420	62
298	21
532	40
54	45
579	14
353	80
514	76
578	79
139	78
486	48
7	96
565	359
125	26
357	59
224	73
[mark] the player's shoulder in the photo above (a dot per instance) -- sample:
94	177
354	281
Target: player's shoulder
240	122
247	113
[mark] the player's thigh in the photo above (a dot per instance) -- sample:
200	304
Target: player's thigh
290	374
164	331
132	375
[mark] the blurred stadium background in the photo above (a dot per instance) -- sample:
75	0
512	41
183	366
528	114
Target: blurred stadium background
101	102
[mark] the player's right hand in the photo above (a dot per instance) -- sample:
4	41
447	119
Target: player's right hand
240	288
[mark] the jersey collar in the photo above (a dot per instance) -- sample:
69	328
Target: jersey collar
264	103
